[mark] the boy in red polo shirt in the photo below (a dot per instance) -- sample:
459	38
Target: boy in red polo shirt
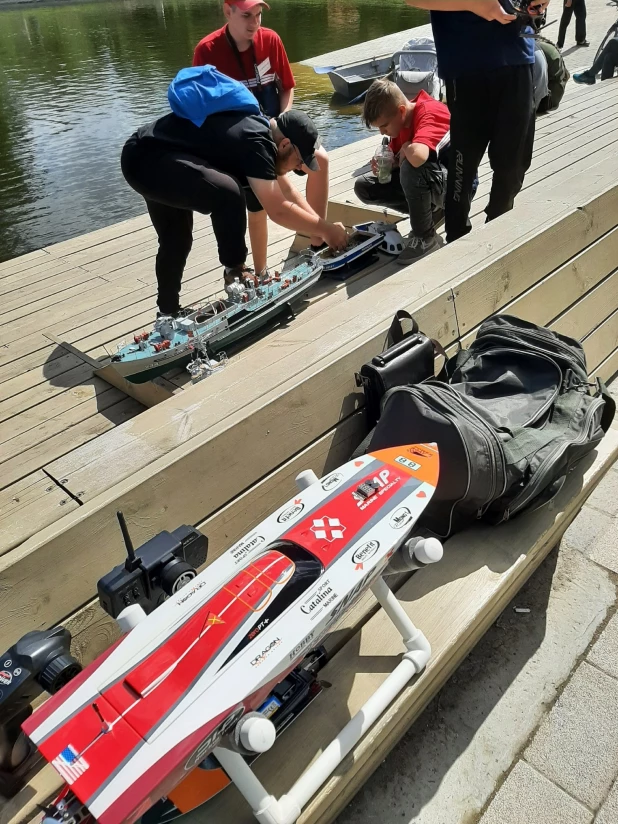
418	183
255	56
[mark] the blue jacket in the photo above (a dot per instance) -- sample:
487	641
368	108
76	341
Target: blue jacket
199	91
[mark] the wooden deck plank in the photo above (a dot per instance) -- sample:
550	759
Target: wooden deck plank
15	442
600	343
28	379
365	51
596	306
75	378
18	264
607	369
24	362
54	438
88	394
28	506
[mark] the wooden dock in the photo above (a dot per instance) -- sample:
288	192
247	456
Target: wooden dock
224	453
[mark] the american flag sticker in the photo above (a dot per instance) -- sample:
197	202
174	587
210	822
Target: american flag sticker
70	764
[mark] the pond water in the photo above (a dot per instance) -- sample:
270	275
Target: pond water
77	78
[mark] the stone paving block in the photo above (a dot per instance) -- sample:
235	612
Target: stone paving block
585	529
604	654
527	797
576	746
608	814
446	767
604	548
605	496
595	534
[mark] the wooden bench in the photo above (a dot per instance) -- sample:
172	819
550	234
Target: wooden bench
225	454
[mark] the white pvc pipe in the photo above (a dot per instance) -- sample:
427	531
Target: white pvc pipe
265	806
243	776
419	648
313	778
306	478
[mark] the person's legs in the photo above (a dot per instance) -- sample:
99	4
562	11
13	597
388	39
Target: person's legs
610	59
567	13
317	188
182	182
424	191
174	228
470	132
389	195
579	9
512	140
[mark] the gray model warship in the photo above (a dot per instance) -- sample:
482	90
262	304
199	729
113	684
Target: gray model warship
218	321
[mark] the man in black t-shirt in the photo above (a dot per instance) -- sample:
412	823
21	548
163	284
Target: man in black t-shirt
233	162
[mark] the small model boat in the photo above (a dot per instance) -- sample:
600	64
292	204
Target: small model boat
351	80
365	239
217	322
198	675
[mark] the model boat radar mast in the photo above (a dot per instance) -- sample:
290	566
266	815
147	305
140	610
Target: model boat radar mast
219	321
201	655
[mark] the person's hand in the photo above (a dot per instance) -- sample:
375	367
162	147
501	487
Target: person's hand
491	10
336	236
374	166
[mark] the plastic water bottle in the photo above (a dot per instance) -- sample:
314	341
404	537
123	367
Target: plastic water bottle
385	160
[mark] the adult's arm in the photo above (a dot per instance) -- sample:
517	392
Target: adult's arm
286	212
487	9
294	196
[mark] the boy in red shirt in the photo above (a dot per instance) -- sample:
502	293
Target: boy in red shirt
255	56
418	184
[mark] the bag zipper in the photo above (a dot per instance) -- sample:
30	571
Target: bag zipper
563	347
483	428
522	499
430	401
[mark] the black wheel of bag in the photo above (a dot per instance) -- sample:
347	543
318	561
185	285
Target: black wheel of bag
175	575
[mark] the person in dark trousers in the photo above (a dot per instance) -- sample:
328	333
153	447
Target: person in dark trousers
577	8
418	182
255	56
487	69
605	63
232	162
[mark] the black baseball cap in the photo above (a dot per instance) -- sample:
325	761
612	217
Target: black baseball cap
301	131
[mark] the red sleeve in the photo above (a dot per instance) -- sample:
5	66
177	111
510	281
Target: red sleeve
427	129
283	68
200	55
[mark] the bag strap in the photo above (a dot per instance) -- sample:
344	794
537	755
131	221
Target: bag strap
609	410
241	66
361	449
396	332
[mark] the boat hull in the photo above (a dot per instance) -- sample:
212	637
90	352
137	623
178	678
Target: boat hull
145	369
350	81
